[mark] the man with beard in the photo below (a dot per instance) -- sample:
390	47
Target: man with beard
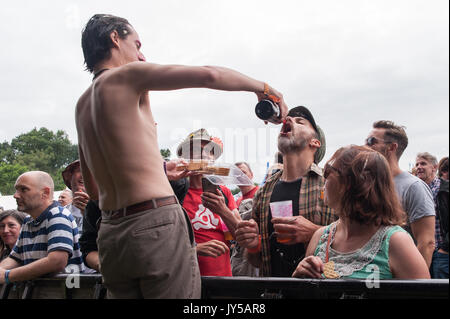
417	200
277	245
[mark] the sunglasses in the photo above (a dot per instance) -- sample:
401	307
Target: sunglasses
327	170
373	140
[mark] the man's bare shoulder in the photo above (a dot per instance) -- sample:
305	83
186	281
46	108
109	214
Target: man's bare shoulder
82	101
111	77
124	72
127	75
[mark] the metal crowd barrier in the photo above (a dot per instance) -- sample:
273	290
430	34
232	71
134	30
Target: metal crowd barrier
90	286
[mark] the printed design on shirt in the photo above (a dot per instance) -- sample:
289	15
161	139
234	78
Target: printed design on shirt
204	219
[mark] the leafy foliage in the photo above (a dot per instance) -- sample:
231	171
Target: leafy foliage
41	150
165	153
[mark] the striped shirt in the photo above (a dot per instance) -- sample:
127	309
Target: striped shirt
54	230
311	206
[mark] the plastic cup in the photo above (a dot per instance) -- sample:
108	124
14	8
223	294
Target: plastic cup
281	209
226	231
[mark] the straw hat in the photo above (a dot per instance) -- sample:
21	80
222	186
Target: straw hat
214	143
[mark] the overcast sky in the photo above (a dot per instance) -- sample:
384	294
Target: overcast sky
351	62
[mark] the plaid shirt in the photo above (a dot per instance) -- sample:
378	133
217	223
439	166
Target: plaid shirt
311	206
435	185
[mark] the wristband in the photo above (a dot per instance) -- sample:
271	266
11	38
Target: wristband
271	97
266	89
7	282
257	249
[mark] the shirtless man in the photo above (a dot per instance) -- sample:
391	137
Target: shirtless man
146	250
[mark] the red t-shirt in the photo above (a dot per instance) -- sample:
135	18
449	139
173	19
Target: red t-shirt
250	194
207	226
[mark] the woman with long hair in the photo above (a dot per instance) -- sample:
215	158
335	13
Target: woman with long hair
368	236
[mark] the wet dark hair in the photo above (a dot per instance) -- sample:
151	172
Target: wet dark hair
96	41
369	195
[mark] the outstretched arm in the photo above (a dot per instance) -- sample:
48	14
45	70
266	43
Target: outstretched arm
155	77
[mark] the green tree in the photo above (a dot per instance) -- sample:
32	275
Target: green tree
41	150
6	153
165	153
8	176
57	146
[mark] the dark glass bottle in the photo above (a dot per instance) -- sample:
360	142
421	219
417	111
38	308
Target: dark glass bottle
268	111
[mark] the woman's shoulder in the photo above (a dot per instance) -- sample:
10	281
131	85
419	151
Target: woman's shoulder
316	239
398	238
394	231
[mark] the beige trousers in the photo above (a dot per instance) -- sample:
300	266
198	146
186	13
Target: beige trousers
150	254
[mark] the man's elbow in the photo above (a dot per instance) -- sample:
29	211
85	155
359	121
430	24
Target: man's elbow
431	244
211	76
426	243
59	266
58	263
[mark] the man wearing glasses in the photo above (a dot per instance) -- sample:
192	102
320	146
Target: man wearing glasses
416	197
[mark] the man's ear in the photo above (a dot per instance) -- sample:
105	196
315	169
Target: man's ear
46	191
393	147
315	143
115	38
435	169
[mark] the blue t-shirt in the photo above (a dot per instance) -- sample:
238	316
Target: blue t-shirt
54	230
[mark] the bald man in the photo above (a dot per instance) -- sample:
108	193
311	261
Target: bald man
56	247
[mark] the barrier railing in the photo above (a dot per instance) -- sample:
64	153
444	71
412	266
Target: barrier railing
90	287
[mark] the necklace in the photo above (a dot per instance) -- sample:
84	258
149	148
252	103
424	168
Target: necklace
97	74
328	267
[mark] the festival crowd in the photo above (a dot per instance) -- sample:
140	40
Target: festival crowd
357	214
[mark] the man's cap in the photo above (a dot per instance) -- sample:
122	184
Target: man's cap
215	144
68	172
302	111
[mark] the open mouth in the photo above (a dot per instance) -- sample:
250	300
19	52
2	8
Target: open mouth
286	128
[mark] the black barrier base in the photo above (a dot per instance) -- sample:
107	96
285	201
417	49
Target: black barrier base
292	288
90	287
